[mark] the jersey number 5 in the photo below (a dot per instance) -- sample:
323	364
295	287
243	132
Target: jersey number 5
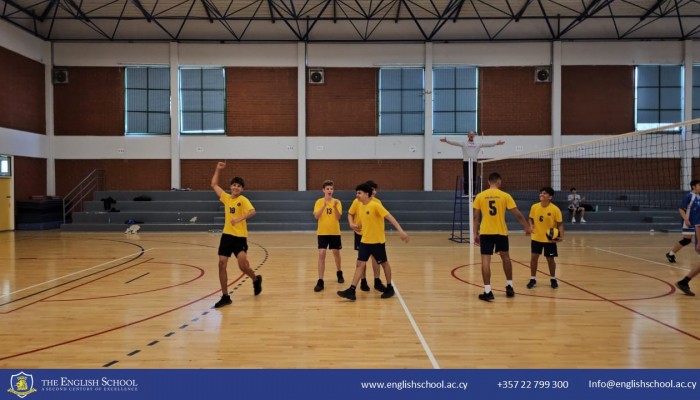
492	207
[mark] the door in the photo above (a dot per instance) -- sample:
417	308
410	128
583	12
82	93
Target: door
6	209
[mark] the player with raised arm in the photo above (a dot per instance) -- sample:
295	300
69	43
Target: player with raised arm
234	239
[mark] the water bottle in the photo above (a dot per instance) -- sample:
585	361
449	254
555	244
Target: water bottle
609	208
596	208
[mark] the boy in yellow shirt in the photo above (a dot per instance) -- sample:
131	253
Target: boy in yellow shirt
543	217
327	212
492	234
373	242
234	239
354	222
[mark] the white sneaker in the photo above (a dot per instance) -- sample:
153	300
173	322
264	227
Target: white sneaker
583	221
573	220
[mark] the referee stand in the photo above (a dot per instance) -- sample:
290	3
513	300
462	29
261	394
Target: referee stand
460	219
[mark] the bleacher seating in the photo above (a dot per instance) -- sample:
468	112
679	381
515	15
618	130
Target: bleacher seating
292	211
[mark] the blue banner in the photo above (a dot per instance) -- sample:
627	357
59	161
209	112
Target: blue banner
73	384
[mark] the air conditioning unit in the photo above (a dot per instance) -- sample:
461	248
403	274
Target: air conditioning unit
543	74
60	76
316	76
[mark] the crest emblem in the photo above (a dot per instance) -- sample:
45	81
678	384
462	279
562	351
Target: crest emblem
21	385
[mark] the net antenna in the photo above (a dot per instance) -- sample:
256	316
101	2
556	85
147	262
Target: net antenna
637	171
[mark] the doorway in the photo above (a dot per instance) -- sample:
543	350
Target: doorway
6	203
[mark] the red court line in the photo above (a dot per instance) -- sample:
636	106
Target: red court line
71	288
201	273
603	298
115	328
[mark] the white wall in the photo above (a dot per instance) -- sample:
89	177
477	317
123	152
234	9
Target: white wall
23	43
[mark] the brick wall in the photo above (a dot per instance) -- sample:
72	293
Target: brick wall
257	174
30	177
523	174
347	174
618	174
91	103
119	174
445	173
511	103
22	104
261	101
597	100
344	105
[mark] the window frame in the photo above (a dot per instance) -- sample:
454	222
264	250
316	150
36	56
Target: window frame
148	90
658	87
201	110
455	89
382	92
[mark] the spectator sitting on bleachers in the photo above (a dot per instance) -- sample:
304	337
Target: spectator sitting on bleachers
575	205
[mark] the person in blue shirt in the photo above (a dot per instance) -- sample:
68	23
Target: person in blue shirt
691	205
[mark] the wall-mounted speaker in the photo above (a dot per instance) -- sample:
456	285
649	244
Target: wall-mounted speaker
543	74
60	76
316	76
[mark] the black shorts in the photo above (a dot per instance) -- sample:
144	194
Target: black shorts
489	242
358	239
376	250
329	242
550	249
232	244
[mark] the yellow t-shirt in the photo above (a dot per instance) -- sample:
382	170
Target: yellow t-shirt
372	218
493	204
235	208
328	223
356	209
544	218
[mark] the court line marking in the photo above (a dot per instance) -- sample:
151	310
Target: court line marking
641	259
433	361
91	268
73	273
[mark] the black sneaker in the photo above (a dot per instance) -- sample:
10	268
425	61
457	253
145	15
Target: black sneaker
379	286
348	294
509	291
671	257
554	283
257	285
486	296
685	288
340	277
225	300
532	283
364	286
319	286
388	292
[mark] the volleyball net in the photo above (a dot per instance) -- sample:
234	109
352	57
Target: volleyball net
650	168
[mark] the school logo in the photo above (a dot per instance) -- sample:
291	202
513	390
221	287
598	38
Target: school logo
22	385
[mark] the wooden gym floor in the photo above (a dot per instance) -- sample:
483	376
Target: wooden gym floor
89	300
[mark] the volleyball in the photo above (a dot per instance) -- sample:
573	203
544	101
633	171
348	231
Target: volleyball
552	234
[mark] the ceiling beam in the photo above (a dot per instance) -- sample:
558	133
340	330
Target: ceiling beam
78	11
522	10
652	9
47	10
145	13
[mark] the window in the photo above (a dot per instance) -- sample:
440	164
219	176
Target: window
147	100
203	100
5	166
659	95
454	99
696	96
401	101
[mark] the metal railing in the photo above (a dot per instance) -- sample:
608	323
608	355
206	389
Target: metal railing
73	201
